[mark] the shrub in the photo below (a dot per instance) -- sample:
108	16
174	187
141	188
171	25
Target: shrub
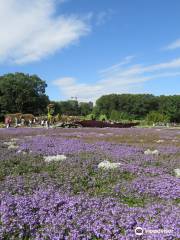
102	117
119	116
155	117
90	117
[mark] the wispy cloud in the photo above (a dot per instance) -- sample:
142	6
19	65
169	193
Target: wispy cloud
103	17
173	45
117	66
122	77
31	30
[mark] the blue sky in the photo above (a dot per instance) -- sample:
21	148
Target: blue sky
87	48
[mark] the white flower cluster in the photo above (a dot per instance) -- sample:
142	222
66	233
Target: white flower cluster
177	172
8	143
160	141
11	145
56	158
108	165
23	152
153	152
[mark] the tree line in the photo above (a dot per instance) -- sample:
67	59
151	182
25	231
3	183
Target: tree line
139	106
26	93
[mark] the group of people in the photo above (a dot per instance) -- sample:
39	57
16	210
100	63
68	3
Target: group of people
45	123
22	122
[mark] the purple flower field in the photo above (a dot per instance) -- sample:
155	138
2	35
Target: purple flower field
89	184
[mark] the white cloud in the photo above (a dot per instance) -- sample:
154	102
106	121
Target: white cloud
30	30
83	91
173	45
119	78
116	67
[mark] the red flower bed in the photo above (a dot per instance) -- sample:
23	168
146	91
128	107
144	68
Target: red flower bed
101	124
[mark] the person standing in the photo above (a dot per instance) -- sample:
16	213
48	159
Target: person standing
30	123
47	124
16	122
22	121
42	123
7	122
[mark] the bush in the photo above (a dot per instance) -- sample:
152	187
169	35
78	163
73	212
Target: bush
103	117
155	117
90	117
119	116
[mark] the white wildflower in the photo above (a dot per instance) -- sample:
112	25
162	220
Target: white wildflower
14	139
12	146
108	165
153	152
160	141
20	151
8	143
177	172
55	158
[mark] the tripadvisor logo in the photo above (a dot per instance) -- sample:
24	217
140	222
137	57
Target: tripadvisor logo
139	231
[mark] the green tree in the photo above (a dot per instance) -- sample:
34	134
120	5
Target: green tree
137	106
69	107
170	106
85	108
24	93
115	115
107	103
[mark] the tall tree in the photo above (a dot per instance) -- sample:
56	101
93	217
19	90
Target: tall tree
24	93
85	108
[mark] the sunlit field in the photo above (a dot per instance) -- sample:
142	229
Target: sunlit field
89	183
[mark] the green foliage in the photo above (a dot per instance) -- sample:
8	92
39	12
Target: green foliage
155	117
81	179
170	106
85	108
115	115
90	116
119	116
103	117
133	202
69	107
18	166
24	93
136	106
73	108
